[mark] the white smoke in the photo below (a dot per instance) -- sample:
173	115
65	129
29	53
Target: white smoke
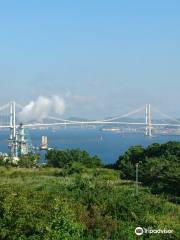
41	108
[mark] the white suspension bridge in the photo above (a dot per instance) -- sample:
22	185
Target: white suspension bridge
9	120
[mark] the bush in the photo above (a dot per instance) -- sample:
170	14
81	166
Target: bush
83	206
29	160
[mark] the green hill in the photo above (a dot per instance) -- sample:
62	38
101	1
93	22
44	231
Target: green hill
79	203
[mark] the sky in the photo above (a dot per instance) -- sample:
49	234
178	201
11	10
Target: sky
102	57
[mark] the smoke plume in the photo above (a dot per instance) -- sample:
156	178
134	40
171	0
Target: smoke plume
41	108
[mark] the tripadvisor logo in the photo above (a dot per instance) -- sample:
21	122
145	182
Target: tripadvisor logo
140	231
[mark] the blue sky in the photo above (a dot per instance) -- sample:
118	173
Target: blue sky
103	57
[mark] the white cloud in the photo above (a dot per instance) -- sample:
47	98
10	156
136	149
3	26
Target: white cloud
41	108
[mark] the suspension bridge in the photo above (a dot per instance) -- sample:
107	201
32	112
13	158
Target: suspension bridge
9	119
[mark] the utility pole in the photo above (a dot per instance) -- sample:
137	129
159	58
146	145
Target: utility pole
137	178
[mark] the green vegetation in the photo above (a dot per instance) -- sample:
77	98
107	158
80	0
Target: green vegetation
28	161
159	167
75	197
52	203
64	158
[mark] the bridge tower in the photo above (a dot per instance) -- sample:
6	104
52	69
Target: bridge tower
12	137
148	129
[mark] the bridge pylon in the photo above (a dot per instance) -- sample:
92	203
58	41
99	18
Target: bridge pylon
148	115
12	137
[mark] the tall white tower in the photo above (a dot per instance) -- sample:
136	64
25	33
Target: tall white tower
148	122
12	137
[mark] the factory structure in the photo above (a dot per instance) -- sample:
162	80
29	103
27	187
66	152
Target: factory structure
19	138
20	143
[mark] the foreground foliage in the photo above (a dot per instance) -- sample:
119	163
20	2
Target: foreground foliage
64	158
27	160
159	167
78	203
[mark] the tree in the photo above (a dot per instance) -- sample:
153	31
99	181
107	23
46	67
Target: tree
64	158
159	169
127	162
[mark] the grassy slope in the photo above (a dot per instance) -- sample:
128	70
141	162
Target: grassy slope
97	201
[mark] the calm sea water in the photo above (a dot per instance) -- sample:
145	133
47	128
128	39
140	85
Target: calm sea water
106	145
